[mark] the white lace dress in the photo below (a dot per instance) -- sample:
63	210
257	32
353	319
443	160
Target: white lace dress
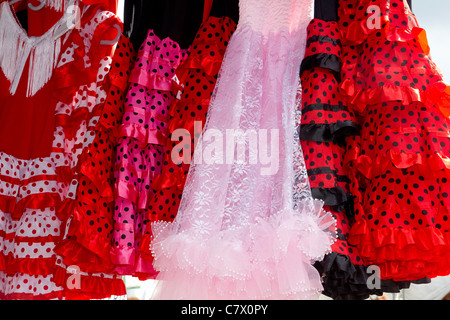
248	227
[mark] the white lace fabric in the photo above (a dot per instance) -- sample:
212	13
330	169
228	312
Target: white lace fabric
249	228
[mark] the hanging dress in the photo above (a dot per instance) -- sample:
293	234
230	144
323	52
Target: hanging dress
325	122
88	232
143	136
198	76
247	226
54	82
400	160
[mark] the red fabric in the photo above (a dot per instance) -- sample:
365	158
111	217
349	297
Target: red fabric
198	75
399	166
68	160
39	21
88	244
207	9
30	121
90	287
109	5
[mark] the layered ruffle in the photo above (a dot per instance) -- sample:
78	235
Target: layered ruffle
80	285
143	134
404	253
325	123
88	236
29	259
197	76
388	66
436	94
327	178
325	118
369	18
271	259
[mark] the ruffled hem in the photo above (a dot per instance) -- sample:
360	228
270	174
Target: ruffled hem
363	25
373	167
90	286
142	135
437	94
401	253
129	262
210	64
270	259
343	280
79	250
206	54
167	179
56	295
36	184
33	266
358	32
129	192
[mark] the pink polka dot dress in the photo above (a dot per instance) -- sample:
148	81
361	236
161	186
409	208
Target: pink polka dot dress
140	149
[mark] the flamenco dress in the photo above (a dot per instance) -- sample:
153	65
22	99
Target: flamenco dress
87	240
56	79
247	229
143	136
197	76
400	160
325	123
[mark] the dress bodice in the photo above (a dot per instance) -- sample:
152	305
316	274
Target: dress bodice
270	16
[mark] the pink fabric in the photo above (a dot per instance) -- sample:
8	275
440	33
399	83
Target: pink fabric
140	150
246	229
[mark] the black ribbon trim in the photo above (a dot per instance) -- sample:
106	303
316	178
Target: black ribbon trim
325	61
325	107
321	39
331	196
320	170
332	132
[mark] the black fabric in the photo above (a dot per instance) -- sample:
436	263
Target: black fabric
177	19
326	10
330	196
22	16
320	38
332	132
323	60
343	280
228	8
324	107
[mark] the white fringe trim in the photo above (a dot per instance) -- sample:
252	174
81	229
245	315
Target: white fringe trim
57	5
16	47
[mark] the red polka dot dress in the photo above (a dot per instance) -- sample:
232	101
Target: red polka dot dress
37	178
143	134
88	232
198	75
325	123
400	161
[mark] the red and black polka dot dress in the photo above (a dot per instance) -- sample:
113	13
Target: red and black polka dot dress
88	233
325	122
400	160
198	74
